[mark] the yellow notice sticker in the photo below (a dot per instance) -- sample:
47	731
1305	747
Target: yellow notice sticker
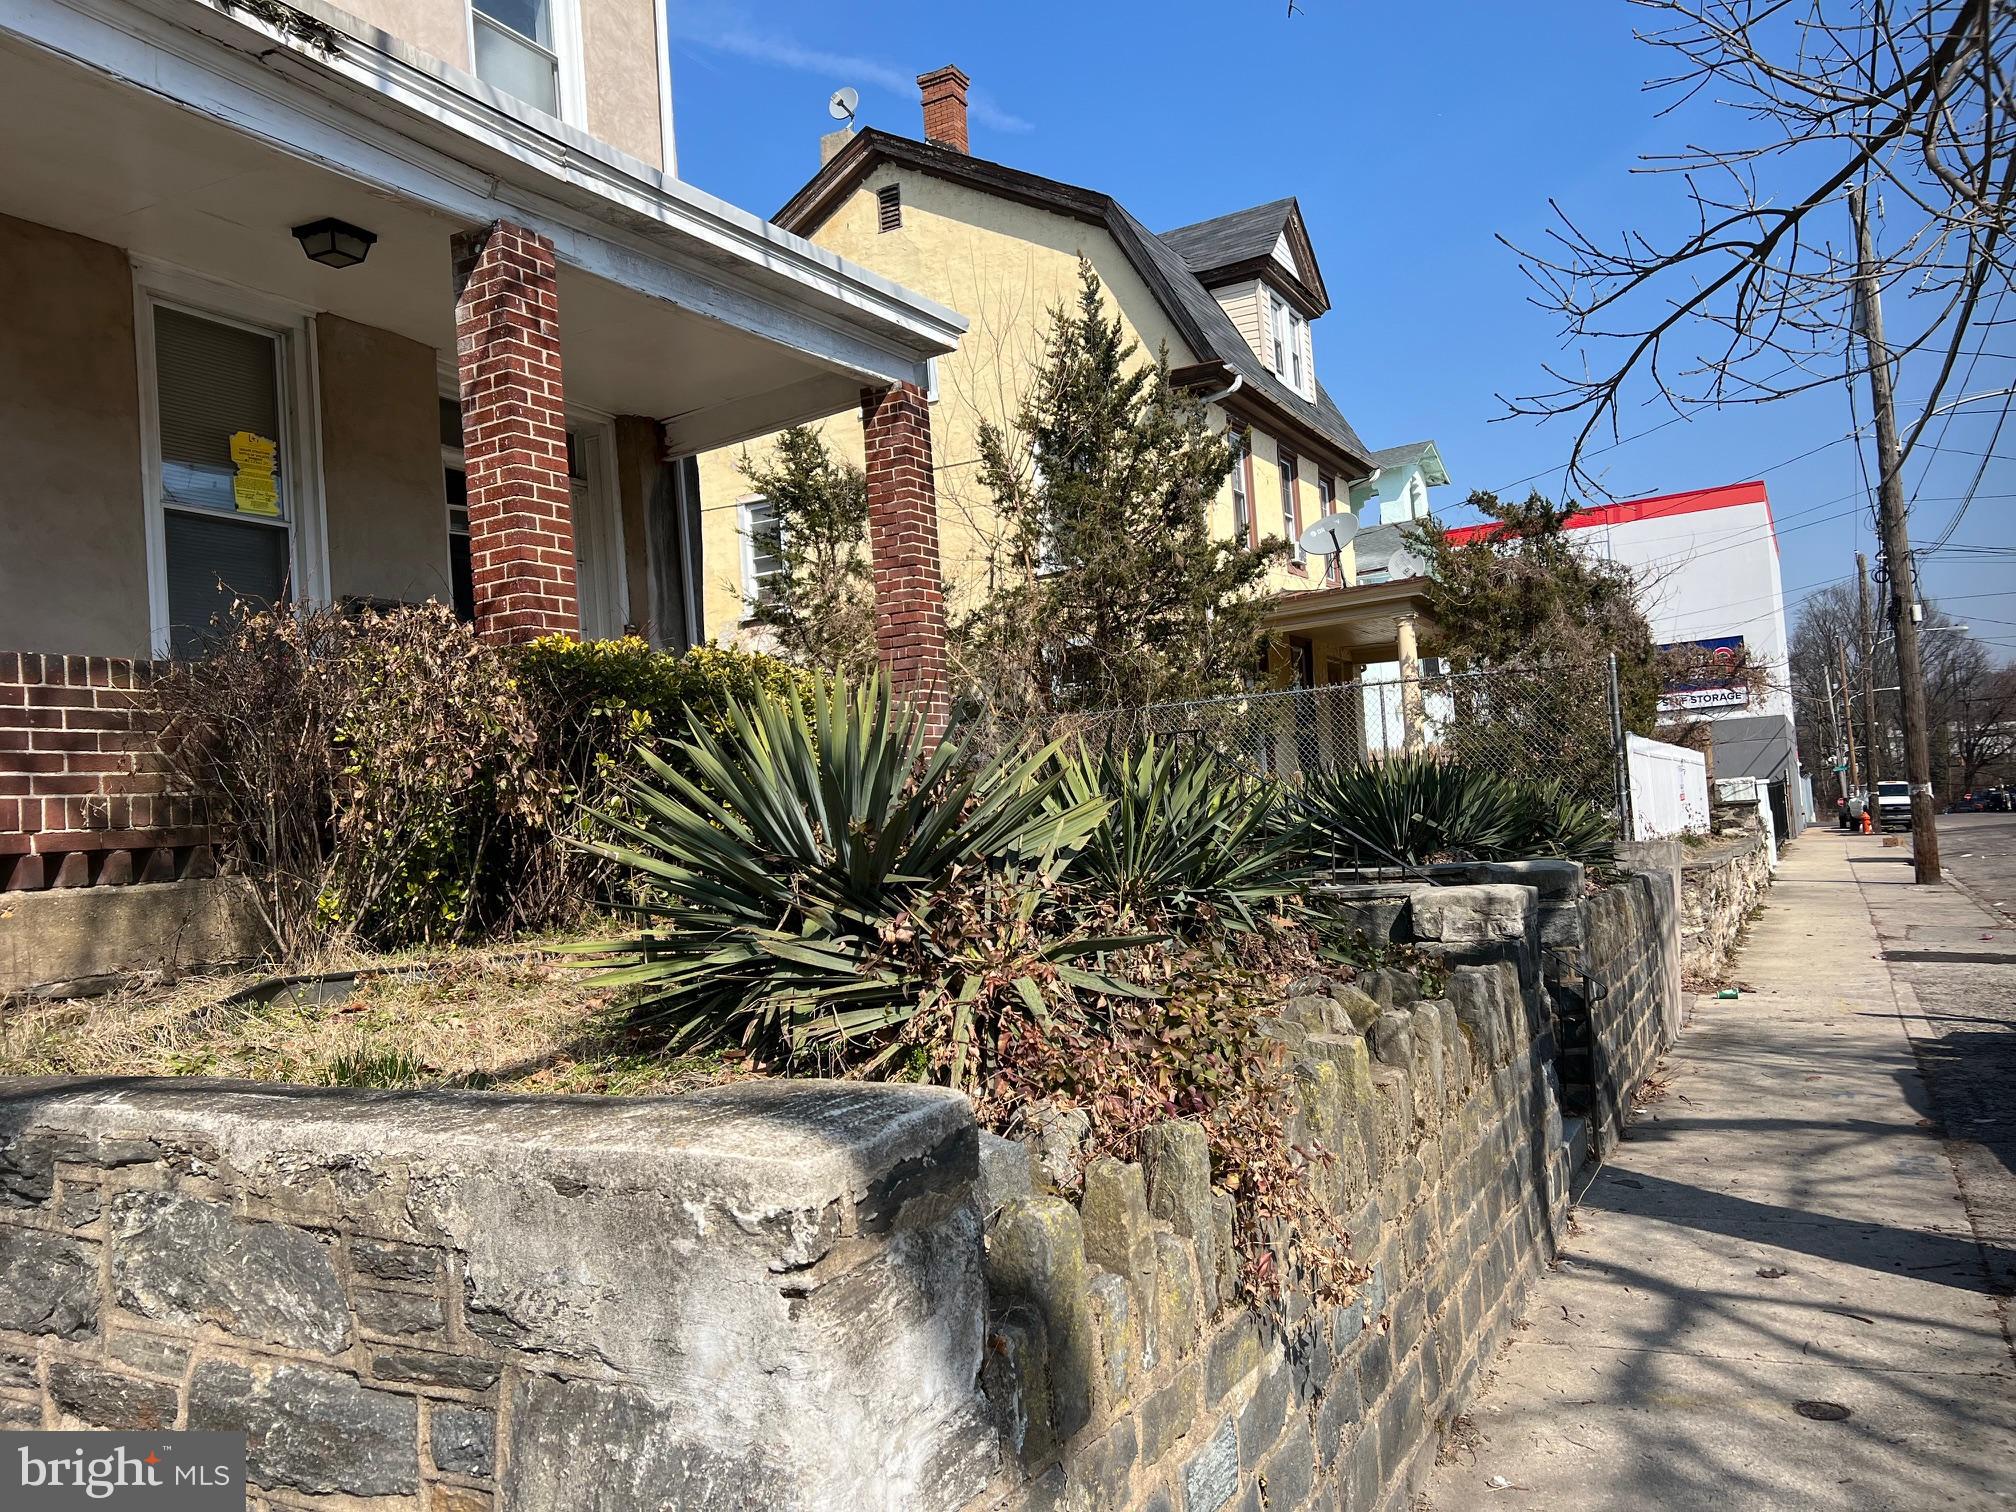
254	489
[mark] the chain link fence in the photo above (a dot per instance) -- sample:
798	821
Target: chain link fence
1532	722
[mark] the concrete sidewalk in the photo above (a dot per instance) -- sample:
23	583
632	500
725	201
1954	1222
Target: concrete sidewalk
1781	1232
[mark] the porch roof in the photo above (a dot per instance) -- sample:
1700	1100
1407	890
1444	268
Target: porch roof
197	136
1363	620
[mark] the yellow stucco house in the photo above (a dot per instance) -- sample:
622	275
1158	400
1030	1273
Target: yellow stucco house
1235	301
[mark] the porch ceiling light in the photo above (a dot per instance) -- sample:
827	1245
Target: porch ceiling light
334	243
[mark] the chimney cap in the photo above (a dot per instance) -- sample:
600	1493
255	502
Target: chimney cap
951	74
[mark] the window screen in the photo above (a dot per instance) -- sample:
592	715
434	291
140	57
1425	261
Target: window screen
514	51
223	470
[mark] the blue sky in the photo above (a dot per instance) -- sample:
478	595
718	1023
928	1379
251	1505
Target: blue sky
1413	136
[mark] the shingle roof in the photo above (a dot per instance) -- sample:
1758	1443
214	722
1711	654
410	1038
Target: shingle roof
1191	306
1236	238
1226	345
1399	456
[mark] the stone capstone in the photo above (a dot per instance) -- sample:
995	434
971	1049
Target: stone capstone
312	1429
183	1260
48	1283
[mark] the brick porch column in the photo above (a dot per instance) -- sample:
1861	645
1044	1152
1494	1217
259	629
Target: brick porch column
903	542
514	434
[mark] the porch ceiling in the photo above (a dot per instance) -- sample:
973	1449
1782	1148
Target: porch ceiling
103	159
1361	622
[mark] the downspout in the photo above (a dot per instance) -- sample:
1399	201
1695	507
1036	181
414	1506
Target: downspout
1238	382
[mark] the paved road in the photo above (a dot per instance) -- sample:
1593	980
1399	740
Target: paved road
1781	1236
1957	964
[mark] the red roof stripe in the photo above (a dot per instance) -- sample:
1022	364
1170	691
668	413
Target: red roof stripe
1727	496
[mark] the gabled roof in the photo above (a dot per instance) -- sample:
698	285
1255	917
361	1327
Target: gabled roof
1423	452
1242	244
1190	306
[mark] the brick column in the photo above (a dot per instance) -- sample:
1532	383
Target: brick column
903	541
514	434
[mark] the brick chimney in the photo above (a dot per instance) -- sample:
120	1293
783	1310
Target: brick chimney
945	107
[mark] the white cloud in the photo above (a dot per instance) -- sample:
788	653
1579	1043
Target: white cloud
733	35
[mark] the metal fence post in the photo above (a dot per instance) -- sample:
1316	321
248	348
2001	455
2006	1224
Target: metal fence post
1621	754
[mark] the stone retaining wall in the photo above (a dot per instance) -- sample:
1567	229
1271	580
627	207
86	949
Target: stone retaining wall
760	1296
1718	890
1126	1374
816	1295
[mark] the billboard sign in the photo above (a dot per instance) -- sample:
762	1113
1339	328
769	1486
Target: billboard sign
1704	675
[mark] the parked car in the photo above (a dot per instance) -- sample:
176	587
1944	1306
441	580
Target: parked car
1998	801
1969	803
1893	805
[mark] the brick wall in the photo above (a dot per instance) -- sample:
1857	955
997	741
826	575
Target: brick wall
910	632
84	795
514	434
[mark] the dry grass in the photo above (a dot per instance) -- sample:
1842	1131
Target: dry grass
516	1020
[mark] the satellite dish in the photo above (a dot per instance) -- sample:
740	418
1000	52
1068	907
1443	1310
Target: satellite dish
844	103
1329	535
1405	564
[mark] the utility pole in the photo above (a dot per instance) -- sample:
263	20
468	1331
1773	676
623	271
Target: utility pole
1848	705
1896	550
1865	632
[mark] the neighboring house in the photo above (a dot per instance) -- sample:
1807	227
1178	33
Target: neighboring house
489	408
1389	504
1236	301
1707	567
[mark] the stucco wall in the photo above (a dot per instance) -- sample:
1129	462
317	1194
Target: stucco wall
1004	266
439	28
381	464
73	551
620	51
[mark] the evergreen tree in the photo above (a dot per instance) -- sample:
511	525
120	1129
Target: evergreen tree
1106	587
821	602
1522	594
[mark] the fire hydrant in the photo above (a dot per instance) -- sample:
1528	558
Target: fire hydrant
1868	827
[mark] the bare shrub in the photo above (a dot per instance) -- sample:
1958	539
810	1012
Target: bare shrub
372	773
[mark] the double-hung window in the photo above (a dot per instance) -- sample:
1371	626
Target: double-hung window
226	496
455	487
1291	511
1242	488
516	51
1288	358
762	552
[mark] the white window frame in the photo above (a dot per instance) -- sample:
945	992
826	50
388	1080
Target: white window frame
1291	358
293	328
1290	467
570	78
746	532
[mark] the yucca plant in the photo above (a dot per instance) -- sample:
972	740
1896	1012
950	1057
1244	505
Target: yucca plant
823	882
1407	810
1550	820
1187	841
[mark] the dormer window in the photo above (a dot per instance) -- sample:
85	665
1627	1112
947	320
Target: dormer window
1290	360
